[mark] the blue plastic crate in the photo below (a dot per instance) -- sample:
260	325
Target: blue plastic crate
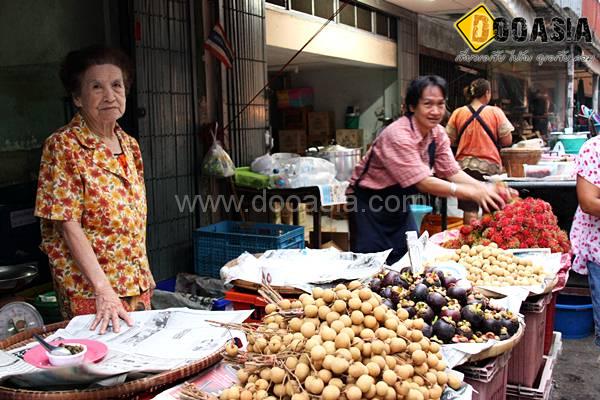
217	244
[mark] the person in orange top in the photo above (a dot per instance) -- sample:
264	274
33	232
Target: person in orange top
91	196
479	130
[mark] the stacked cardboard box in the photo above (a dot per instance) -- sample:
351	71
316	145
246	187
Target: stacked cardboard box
321	128
351	138
292	141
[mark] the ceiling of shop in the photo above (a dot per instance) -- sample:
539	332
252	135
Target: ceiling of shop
436	6
277	57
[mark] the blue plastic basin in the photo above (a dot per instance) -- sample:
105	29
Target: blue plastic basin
574	317
419	211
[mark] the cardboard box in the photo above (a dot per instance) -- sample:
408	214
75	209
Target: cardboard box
292	141
341	239
351	138
295	118
321	127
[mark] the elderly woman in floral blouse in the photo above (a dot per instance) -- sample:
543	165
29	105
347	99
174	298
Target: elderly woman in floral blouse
91	196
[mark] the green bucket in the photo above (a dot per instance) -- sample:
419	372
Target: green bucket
572	143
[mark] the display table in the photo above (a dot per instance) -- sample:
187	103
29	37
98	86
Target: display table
310	194
561	195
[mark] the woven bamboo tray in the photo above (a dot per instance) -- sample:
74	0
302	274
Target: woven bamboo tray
240	283
501	347
128	390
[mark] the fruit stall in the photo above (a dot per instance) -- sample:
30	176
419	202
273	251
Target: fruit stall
474	321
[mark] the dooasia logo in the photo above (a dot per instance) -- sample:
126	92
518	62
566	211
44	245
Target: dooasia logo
479	28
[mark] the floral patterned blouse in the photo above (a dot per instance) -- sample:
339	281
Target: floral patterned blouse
585	231
81	180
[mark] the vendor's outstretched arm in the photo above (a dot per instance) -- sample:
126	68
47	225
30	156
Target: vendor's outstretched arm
467	188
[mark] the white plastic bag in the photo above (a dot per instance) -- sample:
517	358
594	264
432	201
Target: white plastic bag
263	164
217	162
303	172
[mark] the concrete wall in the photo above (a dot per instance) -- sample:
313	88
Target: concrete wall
339	87
440	36
291	30
34	36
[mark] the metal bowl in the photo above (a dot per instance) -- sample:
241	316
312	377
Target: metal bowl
14	277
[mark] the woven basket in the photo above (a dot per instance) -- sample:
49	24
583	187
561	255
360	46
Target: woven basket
513	160
128	390
500	347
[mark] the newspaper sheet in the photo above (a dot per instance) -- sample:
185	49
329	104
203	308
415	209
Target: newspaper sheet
304	268
159	340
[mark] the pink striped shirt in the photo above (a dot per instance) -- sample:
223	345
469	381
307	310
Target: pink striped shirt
400	157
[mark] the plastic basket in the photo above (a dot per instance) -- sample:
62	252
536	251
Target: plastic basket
572	143
574	316
493	389
549	333
528	355
217	244
542	388
247	301
432	223
485	370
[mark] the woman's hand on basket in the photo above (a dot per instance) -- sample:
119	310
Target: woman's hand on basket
109	310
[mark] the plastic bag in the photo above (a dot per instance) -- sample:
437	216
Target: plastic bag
217	162
303	172
263	164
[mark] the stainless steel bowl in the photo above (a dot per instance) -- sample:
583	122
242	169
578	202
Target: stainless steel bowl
14	277
343	158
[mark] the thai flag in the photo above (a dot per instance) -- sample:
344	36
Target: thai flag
218	45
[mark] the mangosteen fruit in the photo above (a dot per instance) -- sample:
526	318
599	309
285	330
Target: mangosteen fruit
432	279
436	300
504	334
386	292
390	278
409	306
510	322
418	292
458	293
463	328
452	312
388	303
394	296
444	328
441	276
491	323
375	285
427	330
424	311
472	313
478	298
450	281
406	279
